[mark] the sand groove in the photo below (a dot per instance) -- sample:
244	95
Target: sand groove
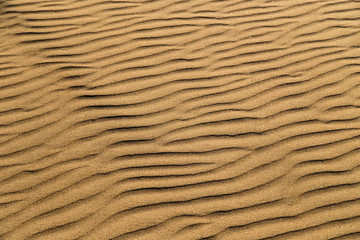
179	119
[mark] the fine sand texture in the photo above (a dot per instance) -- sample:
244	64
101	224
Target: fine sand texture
180	119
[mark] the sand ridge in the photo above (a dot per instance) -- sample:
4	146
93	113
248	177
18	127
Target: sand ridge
179	119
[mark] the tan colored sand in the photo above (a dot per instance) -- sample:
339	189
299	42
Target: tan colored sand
179	120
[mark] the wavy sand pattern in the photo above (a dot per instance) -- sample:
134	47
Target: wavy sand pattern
201	119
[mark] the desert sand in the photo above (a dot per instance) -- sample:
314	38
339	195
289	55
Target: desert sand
179	120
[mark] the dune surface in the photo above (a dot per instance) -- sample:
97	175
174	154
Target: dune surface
179	120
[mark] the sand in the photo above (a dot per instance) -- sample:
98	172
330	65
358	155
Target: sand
179	120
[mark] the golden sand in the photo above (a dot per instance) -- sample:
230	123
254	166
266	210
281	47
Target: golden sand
179	120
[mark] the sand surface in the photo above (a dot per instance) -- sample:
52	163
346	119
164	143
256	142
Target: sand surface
179	120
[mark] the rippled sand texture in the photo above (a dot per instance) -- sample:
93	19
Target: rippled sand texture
179	120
